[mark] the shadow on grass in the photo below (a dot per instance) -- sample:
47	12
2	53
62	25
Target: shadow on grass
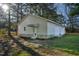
6	48
29	50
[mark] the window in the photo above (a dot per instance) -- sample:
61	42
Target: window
24	28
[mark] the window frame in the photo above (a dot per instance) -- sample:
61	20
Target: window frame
24	28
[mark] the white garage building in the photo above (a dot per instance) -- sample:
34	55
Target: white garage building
37	27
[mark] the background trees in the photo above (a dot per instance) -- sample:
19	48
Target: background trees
73	19
47	10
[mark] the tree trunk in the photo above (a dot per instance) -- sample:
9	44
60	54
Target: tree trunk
17	20
9	24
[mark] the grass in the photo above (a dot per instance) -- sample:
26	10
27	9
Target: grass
2	32
69	43
23	53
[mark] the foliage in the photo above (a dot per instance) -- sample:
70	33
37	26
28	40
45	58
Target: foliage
75	10
2	32
71	11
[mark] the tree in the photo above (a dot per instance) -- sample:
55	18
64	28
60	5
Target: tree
19	10
72	14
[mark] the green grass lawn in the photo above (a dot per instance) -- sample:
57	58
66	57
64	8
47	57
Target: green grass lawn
67	42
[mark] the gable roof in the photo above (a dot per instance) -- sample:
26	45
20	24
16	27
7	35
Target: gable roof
41	18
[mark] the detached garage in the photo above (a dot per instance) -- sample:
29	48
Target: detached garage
37	27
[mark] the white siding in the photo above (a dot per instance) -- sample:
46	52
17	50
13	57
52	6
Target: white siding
50	28
62	30
55	30
41	30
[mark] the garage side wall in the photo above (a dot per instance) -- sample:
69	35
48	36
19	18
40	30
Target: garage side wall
54	30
